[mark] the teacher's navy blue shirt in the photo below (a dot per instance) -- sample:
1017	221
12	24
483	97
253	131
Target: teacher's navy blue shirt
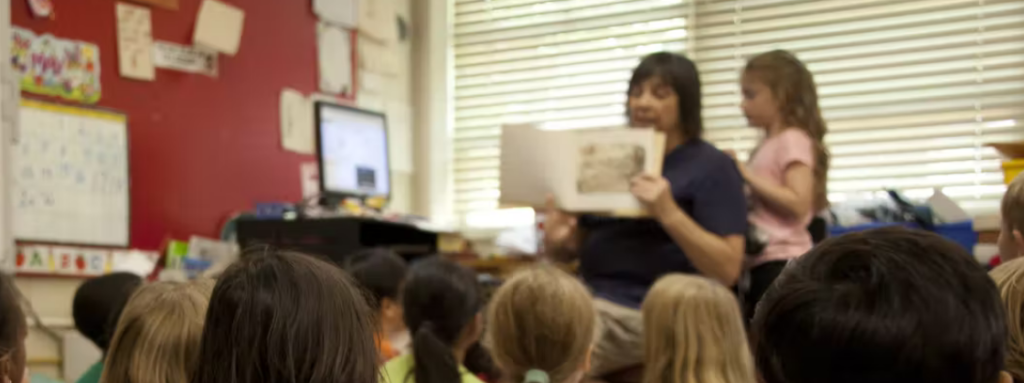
621	258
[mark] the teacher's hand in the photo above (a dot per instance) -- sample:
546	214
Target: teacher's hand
654	192
559	226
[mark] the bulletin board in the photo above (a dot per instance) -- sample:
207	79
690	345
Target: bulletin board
202	147
70	173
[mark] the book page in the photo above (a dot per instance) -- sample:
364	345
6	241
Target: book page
533	165
605	162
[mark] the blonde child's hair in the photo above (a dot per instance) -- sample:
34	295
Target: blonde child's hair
792	85
1013	205
158	334
1009	278
541	319
693	333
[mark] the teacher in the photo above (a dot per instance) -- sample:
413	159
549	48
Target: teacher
698	208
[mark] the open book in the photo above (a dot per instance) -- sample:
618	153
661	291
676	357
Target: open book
588	171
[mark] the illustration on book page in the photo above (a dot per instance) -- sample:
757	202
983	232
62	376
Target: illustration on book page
608	167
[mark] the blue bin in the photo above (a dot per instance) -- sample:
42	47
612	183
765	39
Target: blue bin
960	232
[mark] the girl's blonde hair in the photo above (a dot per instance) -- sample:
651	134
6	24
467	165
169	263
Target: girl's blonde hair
693	333
1009	278
793	87
541	319
157	336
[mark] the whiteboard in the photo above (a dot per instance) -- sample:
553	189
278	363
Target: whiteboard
70	176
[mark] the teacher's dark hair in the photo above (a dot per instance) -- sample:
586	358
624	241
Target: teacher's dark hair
286	317
440	300
681	74
884	306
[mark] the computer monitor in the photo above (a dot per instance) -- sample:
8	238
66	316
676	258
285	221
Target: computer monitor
352	147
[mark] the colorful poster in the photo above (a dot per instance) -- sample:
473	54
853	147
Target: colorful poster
52	66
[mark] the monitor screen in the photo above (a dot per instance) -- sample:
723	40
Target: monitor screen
353	149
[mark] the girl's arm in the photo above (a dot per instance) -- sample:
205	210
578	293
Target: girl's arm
794	198
715	256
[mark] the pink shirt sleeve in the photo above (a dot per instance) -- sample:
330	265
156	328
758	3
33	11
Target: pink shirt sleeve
795	147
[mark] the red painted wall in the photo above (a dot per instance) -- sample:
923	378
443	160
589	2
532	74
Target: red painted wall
200	148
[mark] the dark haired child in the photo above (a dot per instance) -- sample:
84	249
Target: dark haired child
96	307
441	301
883	306
286	317
381	273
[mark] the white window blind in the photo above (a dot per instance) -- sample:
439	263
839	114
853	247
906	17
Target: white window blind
911	90
563	63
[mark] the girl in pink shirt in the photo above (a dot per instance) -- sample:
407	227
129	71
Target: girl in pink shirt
787	171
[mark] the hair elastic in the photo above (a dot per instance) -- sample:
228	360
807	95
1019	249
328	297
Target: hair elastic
536	376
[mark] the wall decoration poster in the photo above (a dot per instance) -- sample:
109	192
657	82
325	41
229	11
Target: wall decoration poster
53	66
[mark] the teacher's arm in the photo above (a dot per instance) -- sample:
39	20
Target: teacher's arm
713	239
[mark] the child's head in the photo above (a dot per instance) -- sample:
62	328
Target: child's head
441	302
778	89
98	303
13	331
381	272
693	333
1011	241
157	336
664	93
541	321
887	306
1009	278
286	317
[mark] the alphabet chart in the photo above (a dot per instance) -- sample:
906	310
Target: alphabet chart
70	173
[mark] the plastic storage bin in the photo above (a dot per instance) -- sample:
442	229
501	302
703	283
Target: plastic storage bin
960	232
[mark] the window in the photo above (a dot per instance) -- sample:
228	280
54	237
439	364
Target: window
911	90
564	63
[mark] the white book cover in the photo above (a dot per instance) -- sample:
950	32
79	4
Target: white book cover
588	171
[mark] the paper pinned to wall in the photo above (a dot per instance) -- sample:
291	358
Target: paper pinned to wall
377	58
219	27
135	42
370	101
296	122
399	117
376	83
334	57
184	58
309	173
399	121
378	20
339	12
